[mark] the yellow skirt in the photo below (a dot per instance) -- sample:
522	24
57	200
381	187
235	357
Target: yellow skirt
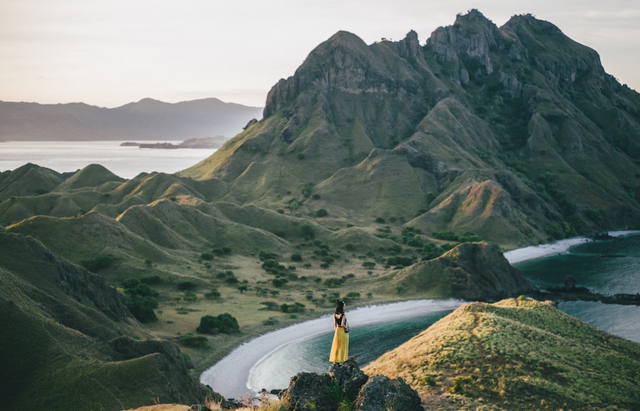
340	346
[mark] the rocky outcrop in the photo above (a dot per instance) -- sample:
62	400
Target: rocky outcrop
382	393
308	392
471	271
349	377
346	386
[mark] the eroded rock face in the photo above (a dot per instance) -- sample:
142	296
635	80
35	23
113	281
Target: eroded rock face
349	377
382	393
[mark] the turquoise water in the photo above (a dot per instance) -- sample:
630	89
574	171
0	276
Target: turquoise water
366	343
605	267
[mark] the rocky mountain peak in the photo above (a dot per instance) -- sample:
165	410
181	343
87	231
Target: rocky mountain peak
343	62
469	39
410	46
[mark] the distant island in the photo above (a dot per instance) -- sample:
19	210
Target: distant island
147	119
205	142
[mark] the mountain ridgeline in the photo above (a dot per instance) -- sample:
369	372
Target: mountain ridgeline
147	119
516	133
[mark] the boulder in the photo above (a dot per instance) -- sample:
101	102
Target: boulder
348	377
381	394
308	392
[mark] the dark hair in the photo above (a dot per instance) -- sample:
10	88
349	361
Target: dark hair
339	307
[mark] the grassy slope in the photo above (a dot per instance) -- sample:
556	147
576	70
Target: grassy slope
58	322
517	354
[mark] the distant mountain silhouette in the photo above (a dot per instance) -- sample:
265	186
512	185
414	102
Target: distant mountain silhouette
147	119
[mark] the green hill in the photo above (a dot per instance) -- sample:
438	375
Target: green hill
68	340
28	180
93	175
470	271
501	131
517	354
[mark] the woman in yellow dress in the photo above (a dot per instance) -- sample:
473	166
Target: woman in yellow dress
340	346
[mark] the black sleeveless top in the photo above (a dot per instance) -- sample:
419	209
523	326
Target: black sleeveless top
340	321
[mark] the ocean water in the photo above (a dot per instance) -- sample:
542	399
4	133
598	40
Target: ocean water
126	162
606	267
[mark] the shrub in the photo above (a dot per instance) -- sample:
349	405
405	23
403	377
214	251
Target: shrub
296	257
292	308
148	263
130	283
151	279
280	211
142	308
279	282
223	323
380	220
99	262
307	230
189	296
186	285
206	256
142	290
231	280
353	295
333	282
321	213
193	342
316	196
265	255
349	247
213	294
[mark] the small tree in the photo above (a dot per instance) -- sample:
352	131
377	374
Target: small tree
296	257
186	285
368	264
321	213
242	288
307	230
213	294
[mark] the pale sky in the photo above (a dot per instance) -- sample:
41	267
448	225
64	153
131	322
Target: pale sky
111	52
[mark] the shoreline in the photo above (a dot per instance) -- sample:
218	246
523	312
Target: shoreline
231	376
520	255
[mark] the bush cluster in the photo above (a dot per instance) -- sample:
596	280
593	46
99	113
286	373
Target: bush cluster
99	262
292	308
140	299
223	323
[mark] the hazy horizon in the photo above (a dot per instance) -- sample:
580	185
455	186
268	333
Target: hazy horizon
112	53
